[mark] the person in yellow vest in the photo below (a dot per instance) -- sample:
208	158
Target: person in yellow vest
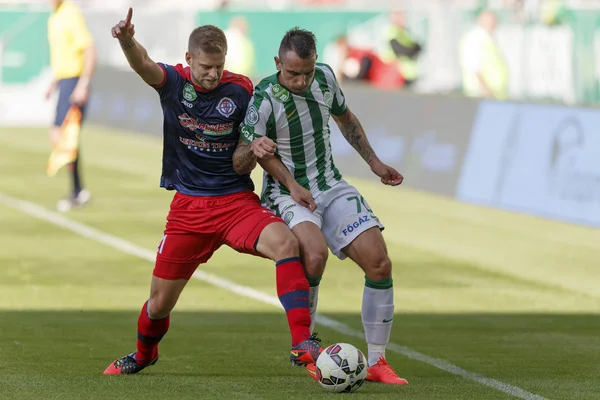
73	61
401	48
484	70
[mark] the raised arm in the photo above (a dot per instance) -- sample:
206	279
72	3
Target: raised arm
136	54
354	133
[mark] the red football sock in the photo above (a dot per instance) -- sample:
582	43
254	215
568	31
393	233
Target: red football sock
292	290
150	332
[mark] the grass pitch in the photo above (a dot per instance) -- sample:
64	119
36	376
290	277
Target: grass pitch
510	297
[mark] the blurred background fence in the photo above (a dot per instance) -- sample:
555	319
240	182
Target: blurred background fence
551	47
536	151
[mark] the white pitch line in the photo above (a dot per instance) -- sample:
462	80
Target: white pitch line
132	249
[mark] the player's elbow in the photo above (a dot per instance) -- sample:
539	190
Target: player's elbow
242	167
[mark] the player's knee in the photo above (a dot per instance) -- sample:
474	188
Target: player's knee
379	268
159	306
314	262
286	246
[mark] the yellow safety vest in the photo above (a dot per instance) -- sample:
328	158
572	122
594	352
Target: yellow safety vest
408	67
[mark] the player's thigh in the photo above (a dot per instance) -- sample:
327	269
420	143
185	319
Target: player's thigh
346	217
369	251
313	247
277	242
179	255
306	226
250	228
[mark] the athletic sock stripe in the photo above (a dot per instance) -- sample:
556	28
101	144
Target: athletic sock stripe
294	299
149	339
287	260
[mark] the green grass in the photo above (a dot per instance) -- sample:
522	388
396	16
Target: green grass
508	296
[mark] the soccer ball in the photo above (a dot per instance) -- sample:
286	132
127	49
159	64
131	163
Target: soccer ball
341	367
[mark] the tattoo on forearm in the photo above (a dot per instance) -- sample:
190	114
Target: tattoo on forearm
355	135
127	44
243	158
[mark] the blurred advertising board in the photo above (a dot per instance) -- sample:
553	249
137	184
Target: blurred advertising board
423	137
537	159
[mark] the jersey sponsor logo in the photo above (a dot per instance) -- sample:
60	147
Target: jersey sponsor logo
252	116
246	133
287	218
361	220
226	107
189	93
187	103
280	93
207	147
208	129
328	98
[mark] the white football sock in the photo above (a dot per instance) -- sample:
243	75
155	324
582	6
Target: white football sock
377	316
313	300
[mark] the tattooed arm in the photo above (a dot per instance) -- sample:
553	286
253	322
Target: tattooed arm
355	135
262	150
244	160
136	54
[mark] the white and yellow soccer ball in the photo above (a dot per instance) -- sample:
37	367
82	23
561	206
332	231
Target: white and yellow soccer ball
341	367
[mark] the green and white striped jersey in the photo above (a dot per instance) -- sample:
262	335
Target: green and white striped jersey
299	124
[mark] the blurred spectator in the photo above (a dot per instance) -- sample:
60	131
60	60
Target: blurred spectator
484	71
240	54
351	63
401	48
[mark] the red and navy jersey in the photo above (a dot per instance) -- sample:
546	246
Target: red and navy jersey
201	132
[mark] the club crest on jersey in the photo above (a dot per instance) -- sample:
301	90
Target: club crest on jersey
189	93
288	217
251	116
328	98
226	107
280	93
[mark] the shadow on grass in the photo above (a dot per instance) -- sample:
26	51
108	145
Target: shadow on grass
61	354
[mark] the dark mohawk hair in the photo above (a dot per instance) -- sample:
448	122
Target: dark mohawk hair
300	41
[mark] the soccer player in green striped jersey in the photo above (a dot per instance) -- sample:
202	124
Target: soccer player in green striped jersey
286	130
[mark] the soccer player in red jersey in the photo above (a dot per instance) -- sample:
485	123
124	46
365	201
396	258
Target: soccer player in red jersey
203	106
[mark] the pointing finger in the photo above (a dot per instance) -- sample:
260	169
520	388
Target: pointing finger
129	16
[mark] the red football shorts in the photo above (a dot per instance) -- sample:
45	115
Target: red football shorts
197	226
